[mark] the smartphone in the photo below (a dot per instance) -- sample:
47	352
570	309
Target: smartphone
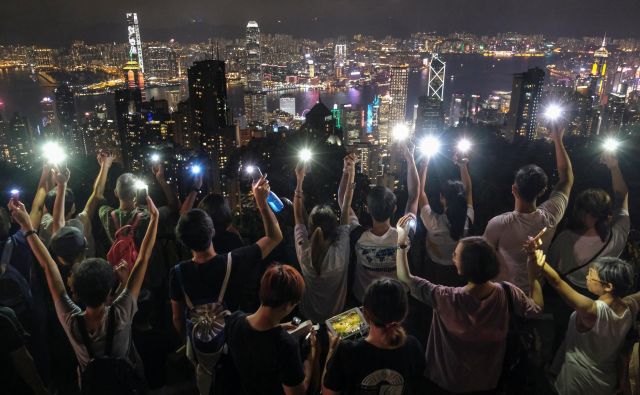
15	195
141	196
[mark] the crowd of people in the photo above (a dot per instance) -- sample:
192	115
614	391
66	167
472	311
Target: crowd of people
137	299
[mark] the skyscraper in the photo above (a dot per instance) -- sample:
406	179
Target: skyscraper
340	59
398	85
208	99
615	112
458	109
133	36
430	117
162	63
437	72
65	111
288	104
599	72
254	59
525	103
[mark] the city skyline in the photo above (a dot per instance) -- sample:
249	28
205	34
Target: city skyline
59	23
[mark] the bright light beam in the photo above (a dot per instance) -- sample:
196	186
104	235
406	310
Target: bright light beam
53	153
611	144
400	132
553	112
196	169
430	146
464	145
155	158
305	155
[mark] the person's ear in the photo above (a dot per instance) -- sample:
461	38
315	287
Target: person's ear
115	192
514	190
542	192
608	287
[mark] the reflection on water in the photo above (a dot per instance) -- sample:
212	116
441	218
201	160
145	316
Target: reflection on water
472	74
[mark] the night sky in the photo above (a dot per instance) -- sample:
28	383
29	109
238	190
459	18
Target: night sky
58	22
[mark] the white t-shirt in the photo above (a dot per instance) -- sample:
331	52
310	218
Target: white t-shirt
508	232
570	250
325	293
439	242
375	258
590	359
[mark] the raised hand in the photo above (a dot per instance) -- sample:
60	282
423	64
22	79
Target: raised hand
261	190
403	227
151	208
460	159
61	174
609	159
408	149
158	171
20	214
301	170
105	158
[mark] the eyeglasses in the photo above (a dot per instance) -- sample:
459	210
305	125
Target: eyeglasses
591	276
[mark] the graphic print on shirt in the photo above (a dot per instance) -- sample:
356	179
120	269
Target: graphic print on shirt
382	382
378	259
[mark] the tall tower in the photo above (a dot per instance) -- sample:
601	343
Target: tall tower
254	61
340	59
526	95
599	71
437	71
135	43
398	85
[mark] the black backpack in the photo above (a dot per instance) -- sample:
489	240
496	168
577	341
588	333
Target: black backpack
519	345
108	375
354	236
15	291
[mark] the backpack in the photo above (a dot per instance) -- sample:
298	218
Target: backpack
519	343
354	236
15	292
124	246
107	375
205	331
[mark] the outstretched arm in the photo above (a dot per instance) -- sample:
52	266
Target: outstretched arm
620	189
463	164
105	160
273	234
190	200
413	181
169	193
402	261
299	212
563	162
54	280
344	182
422	194
62	178
37	207
146	248
348	193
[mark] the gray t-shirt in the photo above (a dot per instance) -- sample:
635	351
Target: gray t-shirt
439	242
125	308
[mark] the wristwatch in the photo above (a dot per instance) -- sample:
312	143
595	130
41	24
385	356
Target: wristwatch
29	233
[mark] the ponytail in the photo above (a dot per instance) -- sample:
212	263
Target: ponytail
386	306
456	198
394	334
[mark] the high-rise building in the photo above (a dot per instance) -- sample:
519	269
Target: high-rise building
352	123
599	72
65	111
526	96
44	58
398	85
48	114
457	109
133	36
288	104
162	63
254	59
615	112
255	106
19	150
437	73
340	59
430	117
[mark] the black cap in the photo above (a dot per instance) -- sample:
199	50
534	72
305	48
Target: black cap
68	243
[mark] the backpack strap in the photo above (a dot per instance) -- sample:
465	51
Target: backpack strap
116	220
136	221
187	300
82	327
227	274
111	331
507	291
593	258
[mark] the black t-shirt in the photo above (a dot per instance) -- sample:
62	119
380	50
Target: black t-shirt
13	337
265	360
357	367
202	281
226	241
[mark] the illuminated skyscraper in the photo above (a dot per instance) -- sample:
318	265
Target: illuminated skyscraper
288	104
615	112
599	72
458	109
398	85
437	72
430	117
340	59
48	112
254	59
65	111
162	63
526	95
133	36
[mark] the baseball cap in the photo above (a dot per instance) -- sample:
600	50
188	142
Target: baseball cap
68	243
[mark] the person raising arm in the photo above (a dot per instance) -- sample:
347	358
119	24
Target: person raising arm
272	233
37	207
413	181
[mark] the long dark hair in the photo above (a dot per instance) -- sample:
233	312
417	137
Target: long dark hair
324	218
455	197
595	202
386	306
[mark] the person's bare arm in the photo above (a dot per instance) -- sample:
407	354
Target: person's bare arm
169	194
62	178
139	269
563	162
52	274
535	288
620	189
422	194
190	200
37	207
465	177
26	369
413	181
344	181
272	233
402	261
105	160
348	194
301	389
177	316
298	195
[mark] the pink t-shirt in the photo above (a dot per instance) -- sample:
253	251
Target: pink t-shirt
467	337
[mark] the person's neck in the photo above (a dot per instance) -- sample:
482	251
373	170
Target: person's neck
126	206
589	232
479	291
265	318
380	228
203	256
375	338
94	313
525	207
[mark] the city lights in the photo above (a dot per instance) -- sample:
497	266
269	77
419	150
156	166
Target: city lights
196	169
305	154
553	112
53	153
464	146
400	132
611	144
429	146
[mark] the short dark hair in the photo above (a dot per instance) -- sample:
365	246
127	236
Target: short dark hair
195	230
595	202
281	284
386	305
617	272
126	187
218	209
381	203
93	279
322	216
455	196
530	181
478	260
69	201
